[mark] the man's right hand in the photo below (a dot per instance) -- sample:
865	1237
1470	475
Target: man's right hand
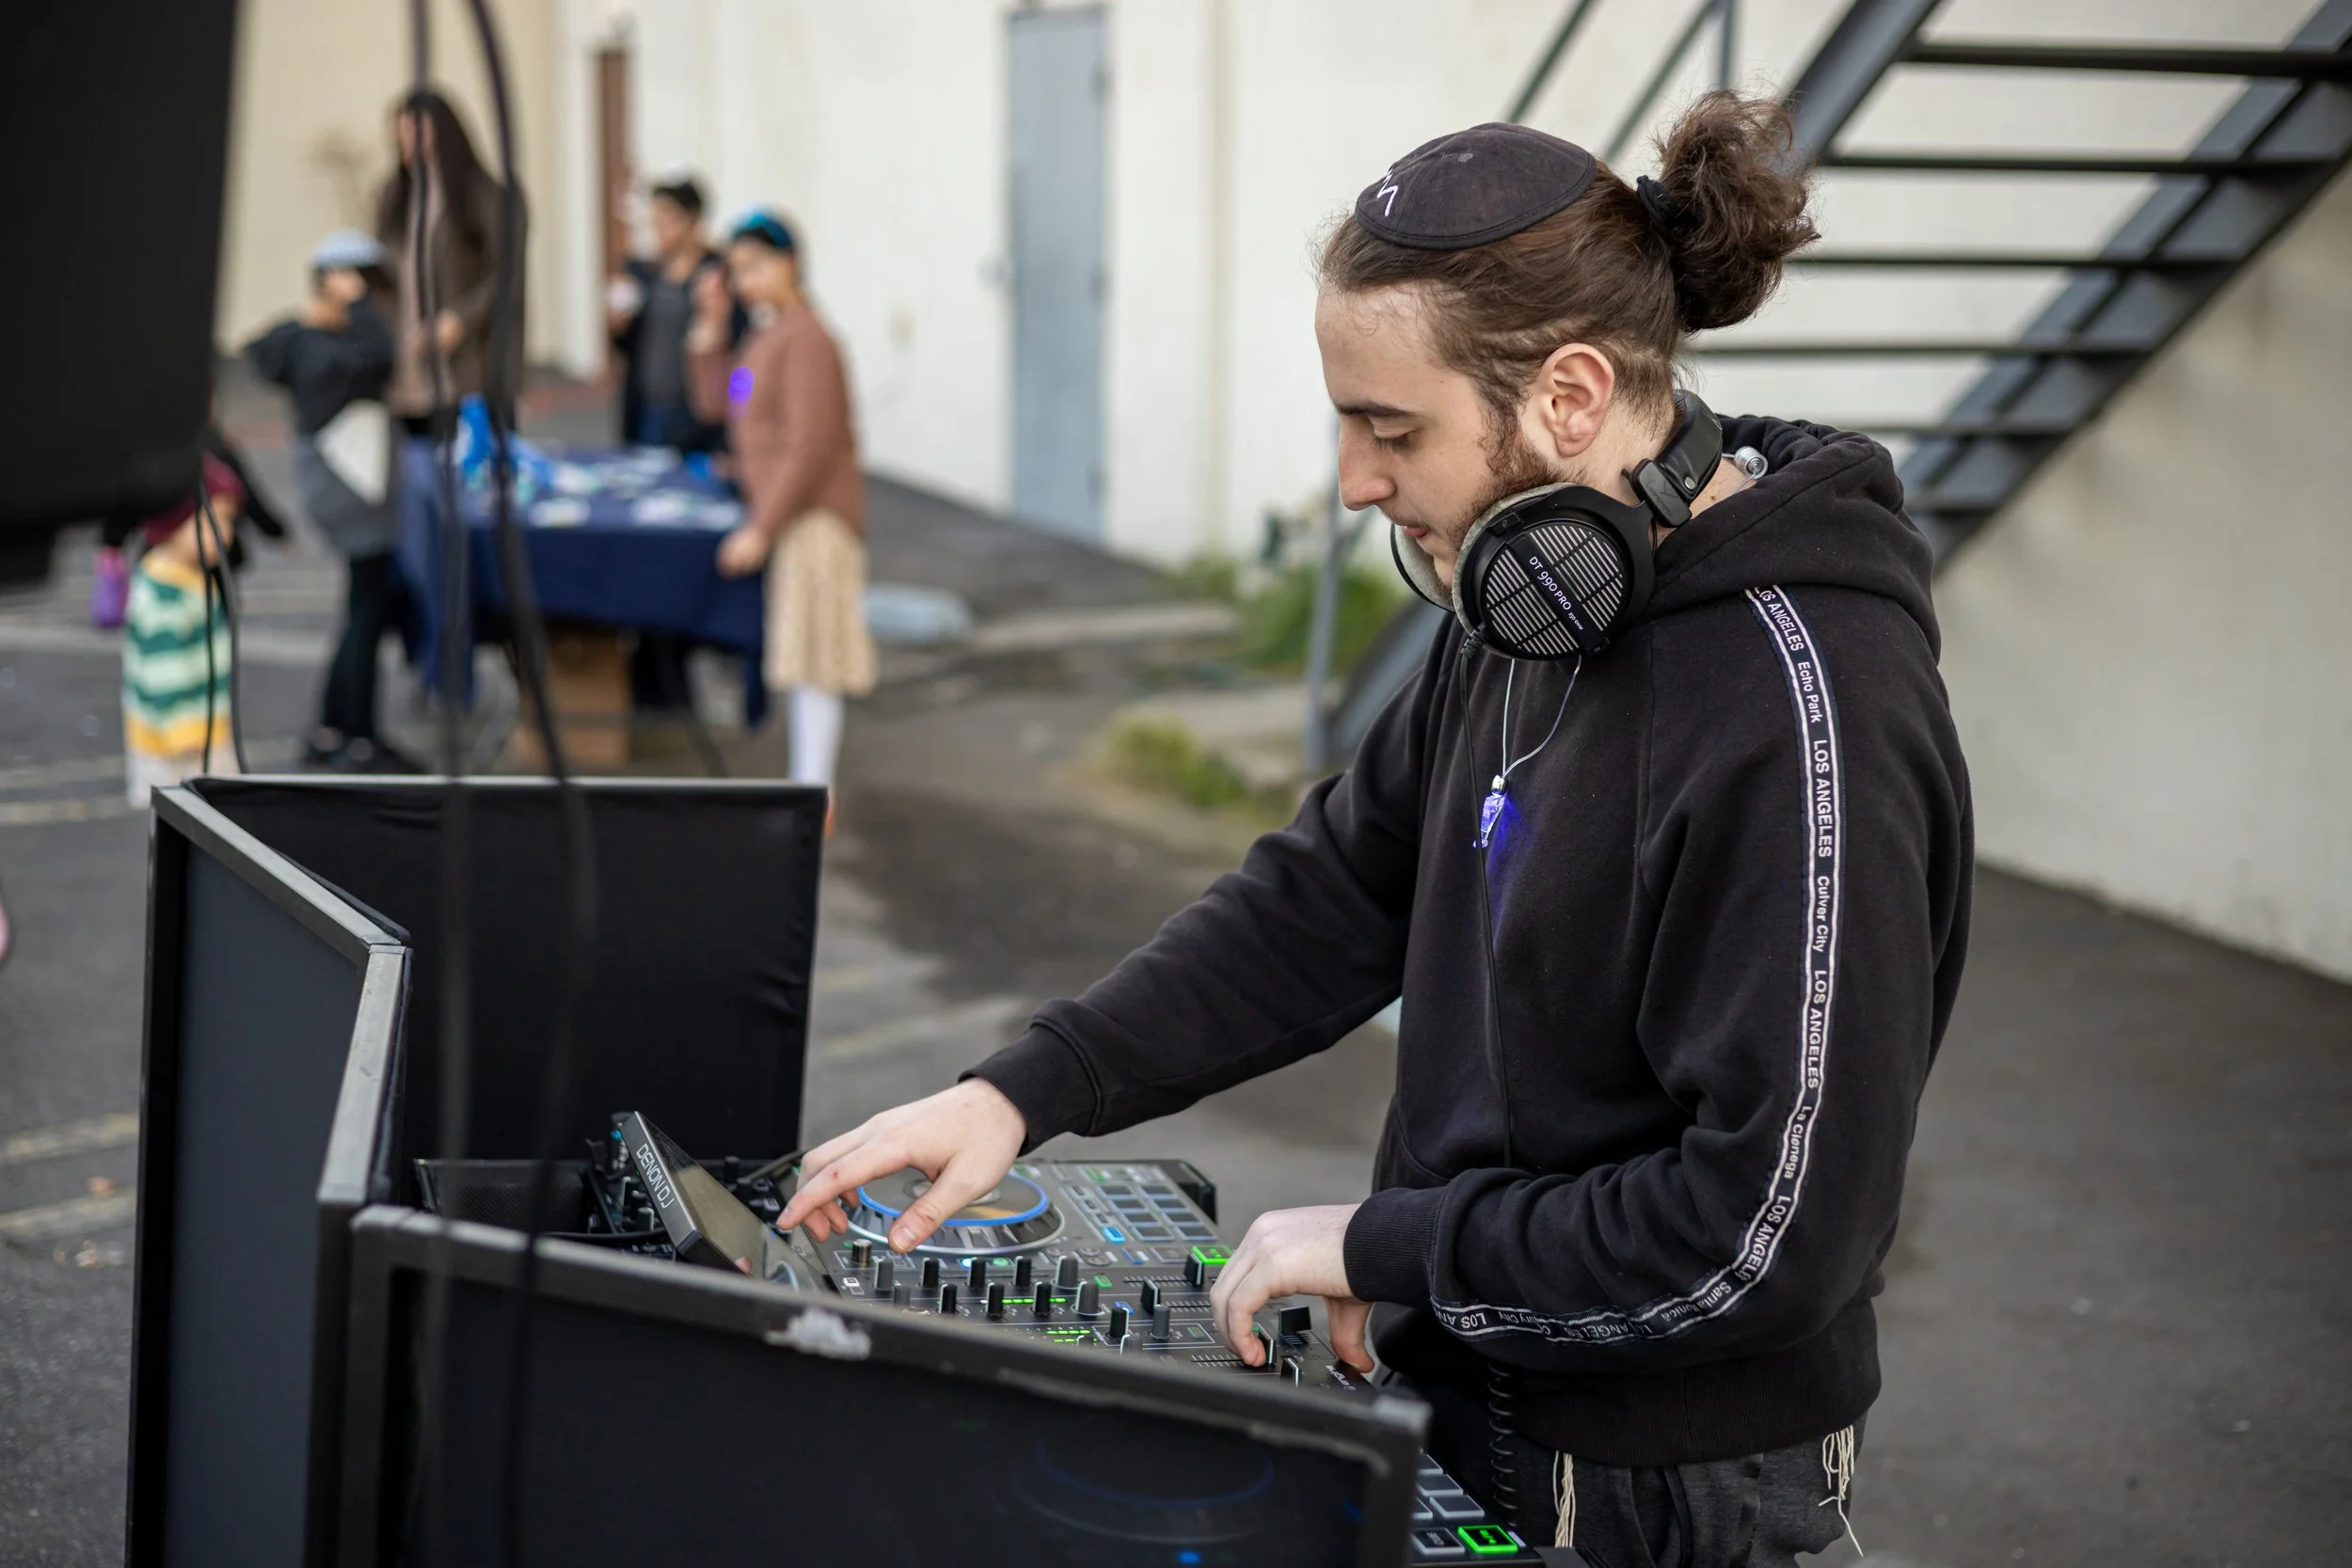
965	1139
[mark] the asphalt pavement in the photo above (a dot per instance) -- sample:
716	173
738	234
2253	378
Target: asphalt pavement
2114	1329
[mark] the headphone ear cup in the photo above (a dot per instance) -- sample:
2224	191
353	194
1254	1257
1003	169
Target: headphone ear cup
1555	584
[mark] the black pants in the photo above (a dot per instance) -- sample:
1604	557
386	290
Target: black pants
1754	1512
371	598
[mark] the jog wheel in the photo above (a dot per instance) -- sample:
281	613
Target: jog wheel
1014	1215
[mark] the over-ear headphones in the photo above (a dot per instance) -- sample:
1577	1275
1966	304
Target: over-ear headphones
1560	571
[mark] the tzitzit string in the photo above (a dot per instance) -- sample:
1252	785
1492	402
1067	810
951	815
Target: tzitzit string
1838	1475
1563	1499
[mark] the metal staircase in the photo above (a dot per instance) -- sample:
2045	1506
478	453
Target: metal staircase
2209	211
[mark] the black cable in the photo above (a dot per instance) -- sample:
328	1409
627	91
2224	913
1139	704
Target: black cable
1503	1430
774	1168
1495	1067
1501	1067
208	520
559	1091
435	1434
211	676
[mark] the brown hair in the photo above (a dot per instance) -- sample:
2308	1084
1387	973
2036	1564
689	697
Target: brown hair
1604	270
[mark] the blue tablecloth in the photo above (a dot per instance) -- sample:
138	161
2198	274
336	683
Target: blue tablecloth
627	538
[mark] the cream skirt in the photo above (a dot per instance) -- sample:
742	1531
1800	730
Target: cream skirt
817	632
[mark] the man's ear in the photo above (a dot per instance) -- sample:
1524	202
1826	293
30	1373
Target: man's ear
1569	400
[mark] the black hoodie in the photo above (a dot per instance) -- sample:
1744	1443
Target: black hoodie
1729	901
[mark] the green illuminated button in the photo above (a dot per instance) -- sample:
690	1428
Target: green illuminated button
1487	1540
1212	1255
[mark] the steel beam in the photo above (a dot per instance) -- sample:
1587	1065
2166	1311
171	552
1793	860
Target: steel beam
2045	261
1923	348
1540	76
2065	163
1870	37
2297	65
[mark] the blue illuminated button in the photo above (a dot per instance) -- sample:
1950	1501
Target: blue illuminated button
1112	1233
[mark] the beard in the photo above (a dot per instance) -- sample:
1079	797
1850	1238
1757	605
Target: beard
1511	467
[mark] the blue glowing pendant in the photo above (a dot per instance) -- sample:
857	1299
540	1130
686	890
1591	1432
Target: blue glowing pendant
1487	811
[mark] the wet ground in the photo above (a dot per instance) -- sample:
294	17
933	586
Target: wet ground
2114	1329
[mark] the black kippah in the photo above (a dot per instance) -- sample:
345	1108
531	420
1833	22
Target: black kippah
1473	186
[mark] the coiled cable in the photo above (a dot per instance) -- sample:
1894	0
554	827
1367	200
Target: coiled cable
1502	1443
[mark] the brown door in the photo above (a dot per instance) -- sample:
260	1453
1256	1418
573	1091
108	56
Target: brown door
615	173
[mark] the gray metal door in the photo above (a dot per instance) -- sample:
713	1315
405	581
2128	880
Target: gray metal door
1059	83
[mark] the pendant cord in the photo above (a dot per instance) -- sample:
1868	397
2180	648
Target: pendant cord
1509	766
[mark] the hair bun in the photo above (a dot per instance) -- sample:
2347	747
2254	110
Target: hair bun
1726	208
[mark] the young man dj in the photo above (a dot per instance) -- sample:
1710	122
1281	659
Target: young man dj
1668	852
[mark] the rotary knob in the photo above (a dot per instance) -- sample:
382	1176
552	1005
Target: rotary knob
996	1301
1044	1307
977	1277
886	1276
1161	1325
901	1295
947	1302
1066	1273
1117	1331
930	1277
861	1254
1022	1272
1090	1300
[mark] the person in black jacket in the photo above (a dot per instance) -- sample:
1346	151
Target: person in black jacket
1677	926
335	359
649	307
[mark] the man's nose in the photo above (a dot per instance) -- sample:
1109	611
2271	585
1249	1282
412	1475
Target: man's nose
1362	483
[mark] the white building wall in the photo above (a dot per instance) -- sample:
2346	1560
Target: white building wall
310	142
1237	134
1169	171
2149	652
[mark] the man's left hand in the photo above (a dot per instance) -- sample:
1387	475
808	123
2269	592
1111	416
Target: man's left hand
1290	1252
742	552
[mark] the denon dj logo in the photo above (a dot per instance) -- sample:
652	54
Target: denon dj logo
657	1180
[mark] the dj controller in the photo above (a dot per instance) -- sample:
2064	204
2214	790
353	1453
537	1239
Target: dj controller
1115	1258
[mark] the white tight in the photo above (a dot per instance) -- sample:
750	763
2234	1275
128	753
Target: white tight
815	715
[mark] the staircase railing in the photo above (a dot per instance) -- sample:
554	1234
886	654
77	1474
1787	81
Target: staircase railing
2214	208
2211	211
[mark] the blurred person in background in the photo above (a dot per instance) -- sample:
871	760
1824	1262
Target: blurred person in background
785	397
649	307
111	565
334	359
440	197
175	641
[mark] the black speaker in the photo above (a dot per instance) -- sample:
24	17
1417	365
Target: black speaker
115	115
